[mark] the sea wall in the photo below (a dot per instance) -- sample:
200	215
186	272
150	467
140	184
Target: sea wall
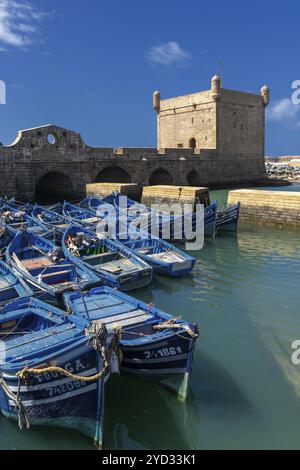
102	190
164	194
280	208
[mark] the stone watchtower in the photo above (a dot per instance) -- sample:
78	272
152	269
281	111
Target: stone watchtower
231	122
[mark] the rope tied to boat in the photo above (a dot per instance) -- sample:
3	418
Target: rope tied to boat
173	325
23	420
115	344
98	338
98	333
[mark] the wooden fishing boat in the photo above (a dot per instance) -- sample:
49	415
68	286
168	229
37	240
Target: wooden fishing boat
228	218
44	267
18	219
14	204
117	266
162	256
80	215
52	369
93	203
51	219
12	285
165	223
6	235
154	344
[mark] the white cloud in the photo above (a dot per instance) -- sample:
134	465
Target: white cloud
18	23
284	111
168	53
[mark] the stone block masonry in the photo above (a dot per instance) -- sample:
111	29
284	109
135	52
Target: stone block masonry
101	190
280	208
163	194
211	138
56	161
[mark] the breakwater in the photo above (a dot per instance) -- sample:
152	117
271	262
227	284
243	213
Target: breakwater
281	208
285	171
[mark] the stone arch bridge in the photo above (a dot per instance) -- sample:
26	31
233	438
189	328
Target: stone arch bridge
53	161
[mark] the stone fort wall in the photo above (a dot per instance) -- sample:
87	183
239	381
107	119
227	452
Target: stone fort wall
31	164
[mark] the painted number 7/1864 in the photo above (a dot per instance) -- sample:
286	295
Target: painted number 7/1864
165	352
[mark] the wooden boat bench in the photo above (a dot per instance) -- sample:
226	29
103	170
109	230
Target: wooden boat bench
34	263
56	273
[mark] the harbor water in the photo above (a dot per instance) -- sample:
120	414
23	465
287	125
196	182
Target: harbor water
245	391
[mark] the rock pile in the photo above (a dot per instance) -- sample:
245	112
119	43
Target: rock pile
283	171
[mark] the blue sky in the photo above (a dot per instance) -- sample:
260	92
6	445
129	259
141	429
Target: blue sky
92	66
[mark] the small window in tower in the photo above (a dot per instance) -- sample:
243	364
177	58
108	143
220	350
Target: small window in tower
234	124
192	143
192	120
241	127
206	138
179	146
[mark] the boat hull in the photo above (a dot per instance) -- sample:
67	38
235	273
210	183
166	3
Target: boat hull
227	219
159	359
52	399
172	270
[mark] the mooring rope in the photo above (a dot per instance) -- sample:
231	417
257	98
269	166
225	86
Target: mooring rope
98	333
173	325
22	416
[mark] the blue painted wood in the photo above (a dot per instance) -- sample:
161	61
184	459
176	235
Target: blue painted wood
147	352
210	214
17	219
227	219
11	285
115	264
38	335
45	268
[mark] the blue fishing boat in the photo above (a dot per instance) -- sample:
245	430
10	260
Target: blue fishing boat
11	285
51	219
162	256
52	368
117	266
18	219
6	235
14	204
165	223
154	344
45	268
80	215
227	219
98	206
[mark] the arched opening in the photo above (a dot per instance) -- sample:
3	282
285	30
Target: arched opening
113	174
192	143
54	187
193	178
160	176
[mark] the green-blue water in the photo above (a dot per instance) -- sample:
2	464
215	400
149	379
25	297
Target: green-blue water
245	392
